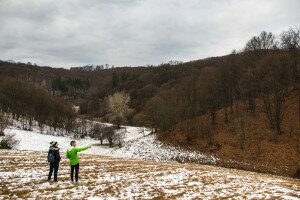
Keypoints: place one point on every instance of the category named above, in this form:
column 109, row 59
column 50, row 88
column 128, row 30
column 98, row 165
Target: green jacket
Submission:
column 72, row 154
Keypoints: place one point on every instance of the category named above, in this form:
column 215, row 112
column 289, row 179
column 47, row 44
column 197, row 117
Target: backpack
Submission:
column 51, row 158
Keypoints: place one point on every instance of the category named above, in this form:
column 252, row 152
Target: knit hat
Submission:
column 53, row 143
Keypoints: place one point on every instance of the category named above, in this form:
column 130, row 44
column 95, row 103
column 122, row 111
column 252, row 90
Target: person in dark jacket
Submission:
column 54, row 162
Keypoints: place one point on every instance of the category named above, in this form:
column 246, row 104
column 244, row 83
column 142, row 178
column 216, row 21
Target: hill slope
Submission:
column 262, row 151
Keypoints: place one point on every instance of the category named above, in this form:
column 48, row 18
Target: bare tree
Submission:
column 263, row 41
column 275, row 75
column 119, row 137
column 242, row 130
column 3, row 124
column 249, row 87
column 98, row 132
column 162, row 111
column 290, row 39
column 83, row 128
column 117, row 108
column 109, row 133
column 210, row 91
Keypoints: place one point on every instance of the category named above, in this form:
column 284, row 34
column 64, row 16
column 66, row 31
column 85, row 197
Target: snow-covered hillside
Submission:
column 139, row 143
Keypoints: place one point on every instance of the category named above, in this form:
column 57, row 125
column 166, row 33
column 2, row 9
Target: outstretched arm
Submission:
column 78, row 149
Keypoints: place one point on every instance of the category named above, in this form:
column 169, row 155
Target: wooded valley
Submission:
column 243, row 106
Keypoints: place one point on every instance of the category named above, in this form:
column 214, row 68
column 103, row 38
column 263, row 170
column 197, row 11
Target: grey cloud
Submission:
column 134, row 32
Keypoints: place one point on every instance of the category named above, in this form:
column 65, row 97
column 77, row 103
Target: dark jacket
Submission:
column 55, row 152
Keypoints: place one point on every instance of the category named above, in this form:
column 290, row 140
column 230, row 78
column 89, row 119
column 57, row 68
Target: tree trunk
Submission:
column 226, row 115
column 268, row 110
column 213, row 115
column 242, row 133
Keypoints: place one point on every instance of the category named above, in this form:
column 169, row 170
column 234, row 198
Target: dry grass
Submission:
column 106, row 177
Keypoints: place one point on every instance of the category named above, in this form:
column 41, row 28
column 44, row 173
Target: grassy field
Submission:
column 23, row 174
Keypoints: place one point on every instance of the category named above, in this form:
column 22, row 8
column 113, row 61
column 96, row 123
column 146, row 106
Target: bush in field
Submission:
column 113, row 136
column 119, row 137
column 9, row 142
column 109, row 132
column 98, row 132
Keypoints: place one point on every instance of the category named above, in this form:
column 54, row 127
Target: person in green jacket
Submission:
column 73, row 157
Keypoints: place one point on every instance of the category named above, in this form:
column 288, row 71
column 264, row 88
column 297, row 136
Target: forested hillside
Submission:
column 236, row 105
column 31, row 104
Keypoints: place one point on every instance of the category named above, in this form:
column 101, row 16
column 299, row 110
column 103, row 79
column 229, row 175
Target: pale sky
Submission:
column 66, row 33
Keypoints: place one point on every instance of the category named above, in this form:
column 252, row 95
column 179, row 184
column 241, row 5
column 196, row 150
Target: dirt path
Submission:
column 23, row 175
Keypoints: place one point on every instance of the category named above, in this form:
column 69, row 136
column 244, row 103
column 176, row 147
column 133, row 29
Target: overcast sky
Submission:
column 66, row 33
